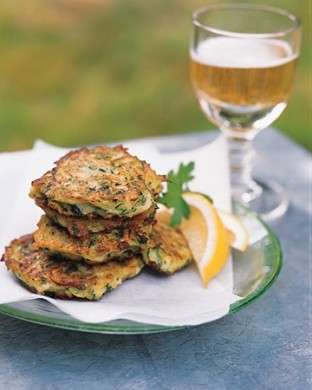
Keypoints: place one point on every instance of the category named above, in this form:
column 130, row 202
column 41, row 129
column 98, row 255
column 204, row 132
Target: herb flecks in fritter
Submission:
column 100, row 181
column 167, row 250
column 49, row 275
column 83, row 227
column 94, row 249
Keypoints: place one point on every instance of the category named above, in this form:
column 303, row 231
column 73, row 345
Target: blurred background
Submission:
column 93, row 71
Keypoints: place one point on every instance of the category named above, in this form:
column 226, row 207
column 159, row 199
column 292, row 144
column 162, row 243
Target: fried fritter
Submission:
column 100, row 181
column 48, row 275
column 167, row 250
column 82, row 227
column 96, row 248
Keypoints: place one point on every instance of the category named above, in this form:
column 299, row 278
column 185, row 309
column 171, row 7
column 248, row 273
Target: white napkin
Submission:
column 176, row 300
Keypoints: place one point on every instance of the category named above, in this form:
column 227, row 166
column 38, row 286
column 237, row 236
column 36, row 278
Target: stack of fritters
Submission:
column 100, row 204
column 99, row 226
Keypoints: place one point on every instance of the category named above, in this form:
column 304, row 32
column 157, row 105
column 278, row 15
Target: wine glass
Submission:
column 243, row 60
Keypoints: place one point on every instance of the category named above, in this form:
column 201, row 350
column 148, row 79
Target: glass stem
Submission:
column 241, row 157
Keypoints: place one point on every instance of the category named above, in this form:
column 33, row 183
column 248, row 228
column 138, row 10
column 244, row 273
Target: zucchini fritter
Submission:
column 84, row 226
column 167, row 250
column 48, row 275
column 100, row 181
column 96, row 248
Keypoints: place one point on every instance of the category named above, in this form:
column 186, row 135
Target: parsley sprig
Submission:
column 177, row 184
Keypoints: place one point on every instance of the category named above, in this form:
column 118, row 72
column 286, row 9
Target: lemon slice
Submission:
column 239, row 235
column 207, row 237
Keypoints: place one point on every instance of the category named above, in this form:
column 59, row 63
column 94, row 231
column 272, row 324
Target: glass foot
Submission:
column 266, row 198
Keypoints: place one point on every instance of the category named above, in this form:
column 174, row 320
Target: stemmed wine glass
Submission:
column 243, row 60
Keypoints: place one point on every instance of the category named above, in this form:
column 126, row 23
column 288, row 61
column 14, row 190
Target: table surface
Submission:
column 267, row 345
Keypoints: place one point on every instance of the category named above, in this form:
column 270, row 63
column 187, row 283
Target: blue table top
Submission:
column 265, row 346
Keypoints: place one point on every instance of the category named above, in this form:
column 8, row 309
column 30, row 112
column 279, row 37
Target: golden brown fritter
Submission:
column 96, row 248
column 167, row 250
column 101, row 181
column 48, row 275
column 82, row 227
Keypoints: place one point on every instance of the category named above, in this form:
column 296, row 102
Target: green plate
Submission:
column 254, row 272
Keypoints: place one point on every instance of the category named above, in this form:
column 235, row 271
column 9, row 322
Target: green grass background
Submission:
column 89, row 71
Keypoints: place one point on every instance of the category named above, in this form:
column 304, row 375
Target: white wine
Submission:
column 243, row 60
column 242, row 83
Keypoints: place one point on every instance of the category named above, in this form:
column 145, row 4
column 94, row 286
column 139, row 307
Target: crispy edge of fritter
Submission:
column 61, row 278
column 95, row 249
column 141, row 185
column 167, row 250
column 83, row 227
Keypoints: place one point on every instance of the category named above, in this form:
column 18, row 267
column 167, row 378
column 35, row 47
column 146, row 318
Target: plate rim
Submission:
column 142, row 328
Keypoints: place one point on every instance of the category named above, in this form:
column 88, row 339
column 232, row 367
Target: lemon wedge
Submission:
column 207, row 236
column 237, row 231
